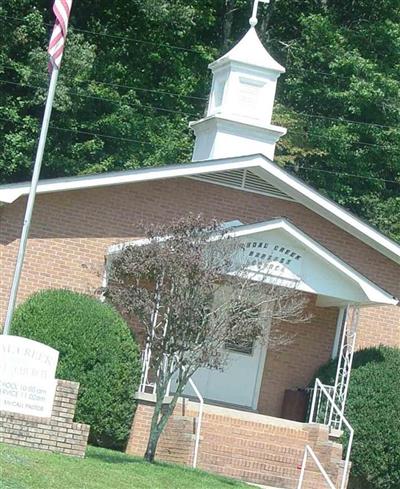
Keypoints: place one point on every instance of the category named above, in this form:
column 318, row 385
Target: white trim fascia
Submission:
column 11, row 192
column 259, row 376
column 275, row 175
column 234, row 121
column 371, row 290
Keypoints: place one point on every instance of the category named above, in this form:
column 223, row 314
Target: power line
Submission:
column 94, row 97
column 303, row 133
column 305, row 114
column 76, row 131
column 116, row 85
column 332, row 138
column 347, row 121
column 112, row 36
column 354, row 175
column 100, row 135
column 181, row 48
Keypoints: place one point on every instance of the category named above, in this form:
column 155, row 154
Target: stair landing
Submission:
column 262, row 449
column 240, row 444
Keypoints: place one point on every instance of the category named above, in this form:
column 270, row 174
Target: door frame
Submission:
column 259, row 376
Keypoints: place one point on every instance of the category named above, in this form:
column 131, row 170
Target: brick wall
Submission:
column 72, row 230
column 58, row 433
column 239, row 444
column 379, row 325
column 176, row 443
column 294, row 365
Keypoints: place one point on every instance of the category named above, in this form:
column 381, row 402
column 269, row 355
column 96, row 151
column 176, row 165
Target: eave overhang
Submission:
column 266, row 169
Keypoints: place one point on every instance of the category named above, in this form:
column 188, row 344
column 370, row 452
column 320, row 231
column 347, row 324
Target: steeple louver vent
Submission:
column 244, row 180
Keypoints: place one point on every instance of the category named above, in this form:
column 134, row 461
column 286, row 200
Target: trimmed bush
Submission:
column 96, row 349
column 373, row 409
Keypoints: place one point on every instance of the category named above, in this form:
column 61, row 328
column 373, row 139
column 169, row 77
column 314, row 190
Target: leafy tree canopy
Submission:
column 135, row 73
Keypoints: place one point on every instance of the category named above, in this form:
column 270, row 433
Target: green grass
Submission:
column 22, row 468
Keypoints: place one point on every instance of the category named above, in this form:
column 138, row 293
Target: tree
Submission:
column 134, row 75
column 193, row 289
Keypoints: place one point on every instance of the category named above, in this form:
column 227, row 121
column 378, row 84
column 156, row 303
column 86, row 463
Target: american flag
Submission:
column 61, row 9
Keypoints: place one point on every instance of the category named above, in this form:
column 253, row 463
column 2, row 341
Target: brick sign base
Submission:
column 58, row 433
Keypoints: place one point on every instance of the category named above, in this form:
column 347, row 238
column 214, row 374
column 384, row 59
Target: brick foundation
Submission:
column 176, row 443
column 58, row 433
column 238, row 444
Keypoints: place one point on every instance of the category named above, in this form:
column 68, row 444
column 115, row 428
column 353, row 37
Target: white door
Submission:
column 239, row 382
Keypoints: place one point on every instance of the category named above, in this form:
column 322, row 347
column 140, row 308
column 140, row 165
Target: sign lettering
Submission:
column 27, row 376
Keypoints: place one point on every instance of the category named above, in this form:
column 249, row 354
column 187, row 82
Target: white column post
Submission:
column 345, row 361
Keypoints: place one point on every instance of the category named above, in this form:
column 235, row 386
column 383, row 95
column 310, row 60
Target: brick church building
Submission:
column 334, row 257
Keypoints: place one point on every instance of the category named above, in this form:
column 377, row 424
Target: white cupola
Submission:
column 238, row 120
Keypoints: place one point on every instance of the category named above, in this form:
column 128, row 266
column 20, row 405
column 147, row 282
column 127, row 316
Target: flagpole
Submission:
column 31, row 200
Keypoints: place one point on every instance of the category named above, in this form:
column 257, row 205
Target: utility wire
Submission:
column 116, row 85
column 304, row 114
column 101, row 136
column 94, row 97
column 292, row 131
column 353, row 175
column 180, row 48
column 76, row 131
column 112, row 36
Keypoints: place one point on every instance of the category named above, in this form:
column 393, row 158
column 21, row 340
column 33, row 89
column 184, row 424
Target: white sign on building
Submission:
column 27, row 376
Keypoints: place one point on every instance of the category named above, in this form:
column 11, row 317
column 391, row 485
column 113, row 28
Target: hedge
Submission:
column 96, row 349
column 373, row 409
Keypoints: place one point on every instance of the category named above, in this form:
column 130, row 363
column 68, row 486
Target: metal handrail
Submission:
column 200, row 418
column 309, row 450
column 318, row 384
column 323, row 411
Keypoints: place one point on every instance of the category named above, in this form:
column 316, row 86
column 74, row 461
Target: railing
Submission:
column 199, row 420
column 315, row 417
column 308, row 450
column 323, row 414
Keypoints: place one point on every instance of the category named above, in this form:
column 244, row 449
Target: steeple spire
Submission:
column 239, row 113
column 253, row 19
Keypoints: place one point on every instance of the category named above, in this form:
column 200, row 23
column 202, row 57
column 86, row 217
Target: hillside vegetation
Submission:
column 135, row 72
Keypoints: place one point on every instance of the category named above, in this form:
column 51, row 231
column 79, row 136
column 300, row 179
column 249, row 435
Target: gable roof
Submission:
column 373, row 292
column 265, row 169
column 349, row 286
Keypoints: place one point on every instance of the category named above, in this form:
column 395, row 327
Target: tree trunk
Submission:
column 152, row 445
column 155, row 432
column 265, row 21
column 160, row 419
column 228, row 21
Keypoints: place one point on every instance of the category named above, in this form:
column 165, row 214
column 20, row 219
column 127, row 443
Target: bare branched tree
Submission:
column 191, row 288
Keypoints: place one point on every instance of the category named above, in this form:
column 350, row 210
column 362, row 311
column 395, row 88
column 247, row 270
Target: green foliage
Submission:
column 342, row 86
column 138, row 72
column 373, row 408
column 100, row 469
column 96, row 349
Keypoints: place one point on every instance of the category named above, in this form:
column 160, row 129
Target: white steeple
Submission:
column 238, row 120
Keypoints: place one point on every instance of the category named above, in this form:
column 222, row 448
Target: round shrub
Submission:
column 373, row 408
column 96, row 349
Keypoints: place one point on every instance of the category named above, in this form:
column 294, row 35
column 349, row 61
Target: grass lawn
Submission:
column 22, row 468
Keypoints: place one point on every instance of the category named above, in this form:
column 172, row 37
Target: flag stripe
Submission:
column 61, row 9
